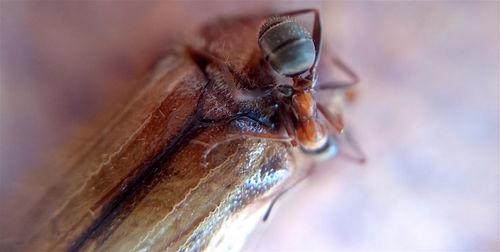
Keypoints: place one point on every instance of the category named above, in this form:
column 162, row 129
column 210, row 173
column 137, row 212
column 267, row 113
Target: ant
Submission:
column 291, row 52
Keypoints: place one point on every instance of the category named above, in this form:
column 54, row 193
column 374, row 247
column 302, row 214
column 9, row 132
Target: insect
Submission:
column 290, row 50
column 204, row 144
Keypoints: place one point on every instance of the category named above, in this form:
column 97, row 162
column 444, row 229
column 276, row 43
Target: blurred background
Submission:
column 426, row 113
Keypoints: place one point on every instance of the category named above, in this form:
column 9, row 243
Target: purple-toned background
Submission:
column 427, row 112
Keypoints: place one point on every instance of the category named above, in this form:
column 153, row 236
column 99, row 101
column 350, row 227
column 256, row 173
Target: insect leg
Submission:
column 354, row 79
column 249, row 116
column 271, row 136
column 268, row 211
column 287, row 124
column 334, row 120
column 266, row 136
column 271, row 205
column 360, row 156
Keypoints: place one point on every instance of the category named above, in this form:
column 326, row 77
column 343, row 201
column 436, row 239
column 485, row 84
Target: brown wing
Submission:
column 186, row 205
column 113, row 160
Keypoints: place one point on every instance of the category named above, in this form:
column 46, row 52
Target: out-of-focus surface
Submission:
column 427, row 113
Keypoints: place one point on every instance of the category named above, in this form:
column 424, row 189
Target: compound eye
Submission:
column 287, row 46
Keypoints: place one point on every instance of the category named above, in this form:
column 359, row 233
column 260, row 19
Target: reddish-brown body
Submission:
column 311, row 134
